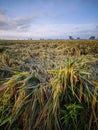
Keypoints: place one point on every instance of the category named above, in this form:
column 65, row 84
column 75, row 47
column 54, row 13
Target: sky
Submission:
column 48, row 19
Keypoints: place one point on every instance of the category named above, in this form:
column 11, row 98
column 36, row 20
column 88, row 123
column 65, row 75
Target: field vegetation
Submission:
column 49, row 85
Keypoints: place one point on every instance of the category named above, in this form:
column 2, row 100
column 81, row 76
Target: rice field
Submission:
column 49, row 85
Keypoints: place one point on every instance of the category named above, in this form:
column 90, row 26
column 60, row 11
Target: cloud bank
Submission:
column 26, row 27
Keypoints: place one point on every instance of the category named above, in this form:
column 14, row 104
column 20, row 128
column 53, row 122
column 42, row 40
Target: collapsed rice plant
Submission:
column 68, row 101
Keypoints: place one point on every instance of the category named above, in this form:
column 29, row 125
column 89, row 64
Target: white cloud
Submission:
column 23, row 28
column 3, row 17
column 17, row 23
column 64, row 30
column 52, row 31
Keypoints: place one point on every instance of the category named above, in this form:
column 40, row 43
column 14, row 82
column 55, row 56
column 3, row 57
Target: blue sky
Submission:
column 22, row 19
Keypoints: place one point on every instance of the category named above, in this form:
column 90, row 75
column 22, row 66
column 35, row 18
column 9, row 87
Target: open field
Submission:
column 22, row 55
column 49, row 85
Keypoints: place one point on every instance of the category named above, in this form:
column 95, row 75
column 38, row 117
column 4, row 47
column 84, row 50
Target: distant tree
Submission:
column 78, row 38
column 41, row 38
column 29, row 38
column 71, row 38
column 92, row 38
